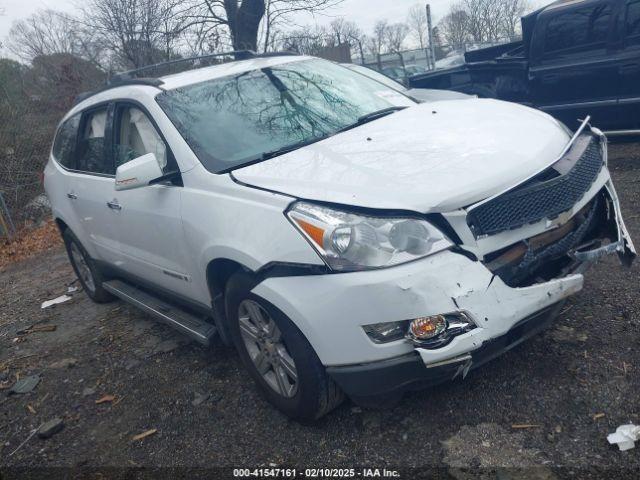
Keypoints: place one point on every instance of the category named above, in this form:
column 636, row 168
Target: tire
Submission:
column 314, row 394
column 84, row 266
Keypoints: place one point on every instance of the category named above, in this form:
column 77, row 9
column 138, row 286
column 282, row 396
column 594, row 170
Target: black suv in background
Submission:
column 577, row 58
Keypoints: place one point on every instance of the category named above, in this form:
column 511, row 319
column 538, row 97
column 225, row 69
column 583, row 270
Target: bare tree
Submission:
column 46, row 32
column 243, row 18
column 474, row 21
column 395, row 36
column 308, row 40
column 454, row 28
column 376, row 42
column 343, row 31
column 138, row 32
column 203, row 39
column 417, row 23
column 491, row 17
column 483, row 21
column 512, row 12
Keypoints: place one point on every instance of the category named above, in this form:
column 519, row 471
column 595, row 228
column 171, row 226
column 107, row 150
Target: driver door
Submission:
column 150, row 234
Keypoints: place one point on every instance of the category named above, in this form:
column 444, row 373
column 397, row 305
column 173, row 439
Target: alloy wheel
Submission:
column 82, row 266
column 265, row 346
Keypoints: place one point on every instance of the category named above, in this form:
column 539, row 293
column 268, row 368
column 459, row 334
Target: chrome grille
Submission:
column 533, row 202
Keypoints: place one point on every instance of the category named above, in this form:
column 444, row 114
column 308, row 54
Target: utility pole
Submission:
column 432, row 50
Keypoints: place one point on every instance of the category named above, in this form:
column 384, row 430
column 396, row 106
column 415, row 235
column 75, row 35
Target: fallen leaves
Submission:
column 105, row 399
column 29, row 241
column 37, row 328
column 143, row 435
column 523, row 426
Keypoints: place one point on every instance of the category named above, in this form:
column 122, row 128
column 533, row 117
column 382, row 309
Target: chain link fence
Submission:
column 401, row 65
column 27, row 126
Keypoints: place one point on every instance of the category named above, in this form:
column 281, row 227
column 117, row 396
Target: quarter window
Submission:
column 65, row 143
column 577, row 29
column 91, row 147
column 137, row 136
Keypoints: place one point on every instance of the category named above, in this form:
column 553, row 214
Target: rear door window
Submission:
column 65, row 142
column 581, row 29
column 92, row 153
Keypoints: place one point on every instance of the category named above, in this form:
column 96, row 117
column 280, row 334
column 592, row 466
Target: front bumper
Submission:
column 331, row 310
column 406, row 373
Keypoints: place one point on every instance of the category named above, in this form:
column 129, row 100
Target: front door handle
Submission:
column 72, row 196
column 114, row 205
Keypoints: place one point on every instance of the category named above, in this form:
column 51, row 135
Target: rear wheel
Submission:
column 88, row 273
column 278, row 357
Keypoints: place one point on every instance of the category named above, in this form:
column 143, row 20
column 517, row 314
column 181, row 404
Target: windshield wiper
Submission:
column 377, row 114
column 370, row 117
column 291, row 148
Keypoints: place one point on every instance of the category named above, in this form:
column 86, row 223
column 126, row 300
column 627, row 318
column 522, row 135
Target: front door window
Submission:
column 137, row 136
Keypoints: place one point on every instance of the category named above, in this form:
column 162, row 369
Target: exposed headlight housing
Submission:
column 387, row 332
column 350, row 241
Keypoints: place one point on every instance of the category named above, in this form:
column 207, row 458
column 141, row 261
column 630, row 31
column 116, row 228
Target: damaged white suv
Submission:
column 344, row 238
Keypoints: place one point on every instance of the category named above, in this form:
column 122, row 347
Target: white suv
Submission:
column 344, row 238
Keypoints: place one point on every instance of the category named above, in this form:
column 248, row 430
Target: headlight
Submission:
column 349, row 241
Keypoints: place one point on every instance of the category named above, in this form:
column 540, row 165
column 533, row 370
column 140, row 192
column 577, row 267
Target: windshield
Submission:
column 233, row 121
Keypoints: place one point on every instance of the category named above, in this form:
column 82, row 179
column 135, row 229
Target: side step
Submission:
column 185, row 322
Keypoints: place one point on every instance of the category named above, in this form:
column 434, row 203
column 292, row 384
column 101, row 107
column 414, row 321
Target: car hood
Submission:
column 434, row 157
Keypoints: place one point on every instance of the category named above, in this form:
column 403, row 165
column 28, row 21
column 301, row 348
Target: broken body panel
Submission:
column 455, row 281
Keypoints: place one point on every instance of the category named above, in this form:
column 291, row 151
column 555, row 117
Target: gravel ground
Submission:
column 573, row 385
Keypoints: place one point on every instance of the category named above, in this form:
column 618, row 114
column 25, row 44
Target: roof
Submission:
column 198, row 75
column 249, row 61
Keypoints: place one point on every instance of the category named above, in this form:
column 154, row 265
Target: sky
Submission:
column 364, row 12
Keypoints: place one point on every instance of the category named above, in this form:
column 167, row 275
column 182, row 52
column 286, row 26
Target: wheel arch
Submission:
column 62, row 226
column 218, row 273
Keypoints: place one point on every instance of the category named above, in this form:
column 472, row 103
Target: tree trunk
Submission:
column 244, row 21
column 267, row 27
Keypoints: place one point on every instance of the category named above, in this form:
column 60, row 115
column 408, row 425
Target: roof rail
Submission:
column 196, row 62
column 139, row 76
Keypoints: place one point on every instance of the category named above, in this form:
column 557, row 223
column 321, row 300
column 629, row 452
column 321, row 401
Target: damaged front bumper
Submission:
column 401, row 374
column 332, row 310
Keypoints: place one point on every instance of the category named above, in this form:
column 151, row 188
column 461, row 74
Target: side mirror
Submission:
column 138, row 172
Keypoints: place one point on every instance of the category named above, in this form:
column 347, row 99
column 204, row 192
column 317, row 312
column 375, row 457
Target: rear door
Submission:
column 629, row 66
column 91, row 183
column 149, row 223
column 573, row 69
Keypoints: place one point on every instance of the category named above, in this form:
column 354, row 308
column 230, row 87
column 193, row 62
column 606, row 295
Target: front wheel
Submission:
column 278, row 357
column 88, row 273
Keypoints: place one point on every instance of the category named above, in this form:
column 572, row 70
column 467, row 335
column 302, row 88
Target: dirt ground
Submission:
column 570, row 386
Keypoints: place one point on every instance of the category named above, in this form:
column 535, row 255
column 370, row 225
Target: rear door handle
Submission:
column 72, row 196
column 114, row 205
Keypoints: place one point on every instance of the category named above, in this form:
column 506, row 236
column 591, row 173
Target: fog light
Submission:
column 386, row 332
column 428, row 327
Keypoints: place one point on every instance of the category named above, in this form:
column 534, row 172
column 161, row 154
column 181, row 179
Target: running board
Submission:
column 185, row 322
